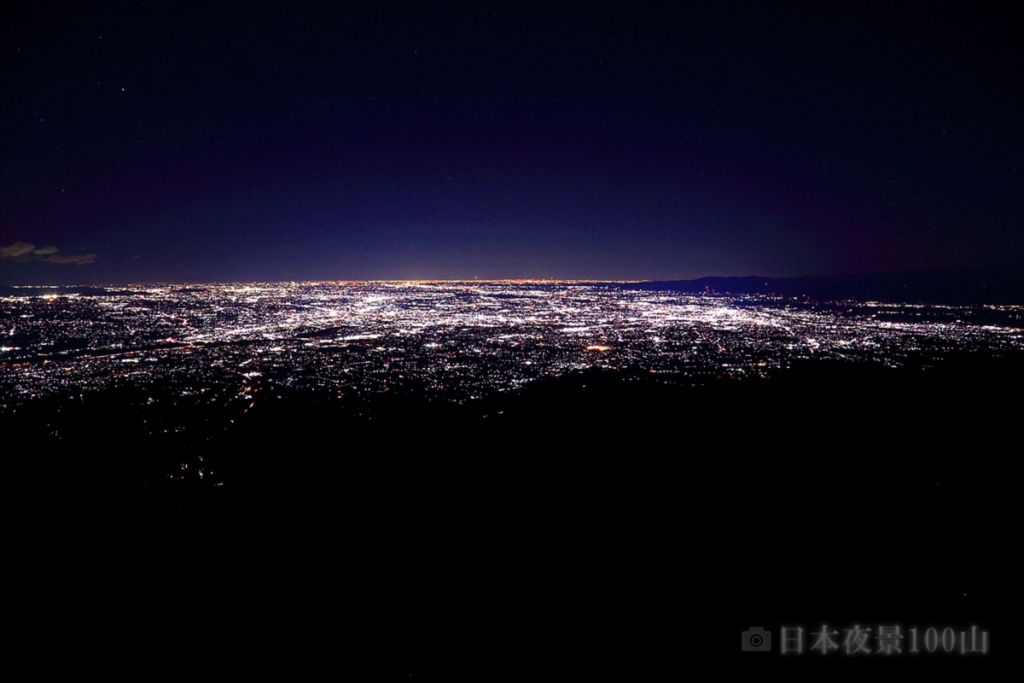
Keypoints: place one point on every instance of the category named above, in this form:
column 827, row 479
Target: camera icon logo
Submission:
column 756, row 639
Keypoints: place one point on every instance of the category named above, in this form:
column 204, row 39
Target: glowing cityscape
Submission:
column 452, row 341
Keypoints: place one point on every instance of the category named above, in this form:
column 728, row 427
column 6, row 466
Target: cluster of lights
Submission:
column 447, row 339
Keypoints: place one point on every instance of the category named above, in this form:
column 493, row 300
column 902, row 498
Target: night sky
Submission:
column 173, row 142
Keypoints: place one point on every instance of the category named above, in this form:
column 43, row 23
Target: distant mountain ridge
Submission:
column 949, row 287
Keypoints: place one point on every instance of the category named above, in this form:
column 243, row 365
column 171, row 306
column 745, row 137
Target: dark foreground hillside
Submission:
column 596, row 526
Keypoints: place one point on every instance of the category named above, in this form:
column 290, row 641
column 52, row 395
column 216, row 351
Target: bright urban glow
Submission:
column 448, row 340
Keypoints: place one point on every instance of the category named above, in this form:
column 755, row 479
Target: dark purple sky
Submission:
column 168, row 141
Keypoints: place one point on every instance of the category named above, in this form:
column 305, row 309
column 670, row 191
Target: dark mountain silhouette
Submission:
column 579, row 511
column 950, row 287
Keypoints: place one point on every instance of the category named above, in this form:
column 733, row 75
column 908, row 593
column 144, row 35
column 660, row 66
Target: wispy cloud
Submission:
column 26, row 251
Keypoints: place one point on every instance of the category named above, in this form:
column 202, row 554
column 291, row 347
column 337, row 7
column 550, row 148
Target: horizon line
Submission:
column 519, row 280
column 524, row 280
